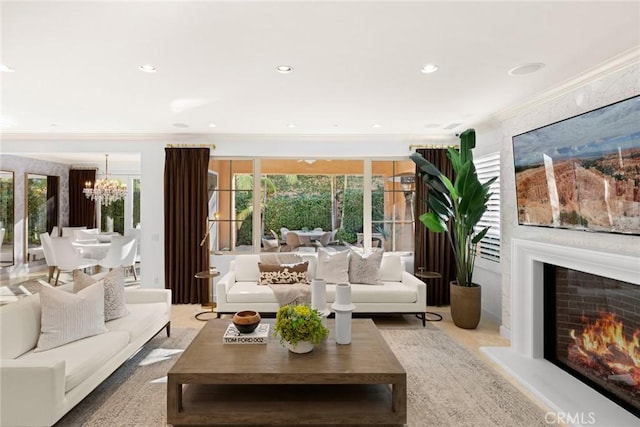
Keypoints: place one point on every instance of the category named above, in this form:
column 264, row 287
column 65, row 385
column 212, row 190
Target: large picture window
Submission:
column 312, row 198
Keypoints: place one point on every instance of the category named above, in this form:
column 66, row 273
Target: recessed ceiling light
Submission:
column 376, row 125
column 147, row 68
column 180, row 125
column 284, row 69
column 291, row 125
column 429, row 68
column 523, row 69
column 53, row 125
column 6, row 69
column 212, row 125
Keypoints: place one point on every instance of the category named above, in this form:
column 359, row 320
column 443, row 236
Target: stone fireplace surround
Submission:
column 560, row 391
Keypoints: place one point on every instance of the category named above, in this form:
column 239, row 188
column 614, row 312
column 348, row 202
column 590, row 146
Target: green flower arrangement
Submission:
column 296, row 323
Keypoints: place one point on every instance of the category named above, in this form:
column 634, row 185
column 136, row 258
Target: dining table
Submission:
column 306, row 237
column 93, row 249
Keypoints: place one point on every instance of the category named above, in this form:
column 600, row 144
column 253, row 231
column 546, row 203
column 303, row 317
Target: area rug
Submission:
column 447, row 385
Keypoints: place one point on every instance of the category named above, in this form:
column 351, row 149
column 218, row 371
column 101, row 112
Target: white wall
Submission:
column 598, row 92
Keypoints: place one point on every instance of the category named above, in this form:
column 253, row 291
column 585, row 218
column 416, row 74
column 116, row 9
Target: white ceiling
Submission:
column 356, row 63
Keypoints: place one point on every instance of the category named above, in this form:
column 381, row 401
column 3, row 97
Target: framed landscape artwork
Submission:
column 582, row 173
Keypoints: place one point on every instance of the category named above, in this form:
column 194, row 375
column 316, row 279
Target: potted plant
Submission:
column 299, row 327
column 462, row 202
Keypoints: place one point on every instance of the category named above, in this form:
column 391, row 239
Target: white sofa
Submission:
column 38, row 388
column 400, row 293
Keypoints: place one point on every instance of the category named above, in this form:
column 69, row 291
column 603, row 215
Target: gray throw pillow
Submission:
column 365, row 270
column 114, row 297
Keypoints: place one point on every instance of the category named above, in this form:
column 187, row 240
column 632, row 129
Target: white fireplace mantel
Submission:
column 563, row 393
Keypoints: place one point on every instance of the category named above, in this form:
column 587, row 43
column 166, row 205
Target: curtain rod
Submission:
column 211, row 146
column 414, row 146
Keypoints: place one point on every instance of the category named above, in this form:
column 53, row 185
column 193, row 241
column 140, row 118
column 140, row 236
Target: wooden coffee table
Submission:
column 256, row 384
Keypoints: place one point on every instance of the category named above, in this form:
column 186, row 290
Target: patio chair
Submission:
column 292, row 242
column 284, row 231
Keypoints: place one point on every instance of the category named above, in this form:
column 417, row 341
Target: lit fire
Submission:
column 603, row 347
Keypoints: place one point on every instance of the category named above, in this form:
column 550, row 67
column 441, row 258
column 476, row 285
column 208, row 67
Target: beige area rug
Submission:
column 447, row 385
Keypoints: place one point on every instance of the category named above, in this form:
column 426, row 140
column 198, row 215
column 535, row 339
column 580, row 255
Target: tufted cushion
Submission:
column 365, row 269
column 284, row 274
column 68, row 317
column 114, row 299
column 333, row 267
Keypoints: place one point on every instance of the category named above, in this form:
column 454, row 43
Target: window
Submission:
column 488, row 167
column 312, row 194
column 392, row 204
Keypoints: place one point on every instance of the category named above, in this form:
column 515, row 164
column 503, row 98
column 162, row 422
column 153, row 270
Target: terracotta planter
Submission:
column 466, row 305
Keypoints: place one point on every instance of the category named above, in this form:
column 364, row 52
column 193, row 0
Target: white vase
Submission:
column 343, row 308
column 300, row 347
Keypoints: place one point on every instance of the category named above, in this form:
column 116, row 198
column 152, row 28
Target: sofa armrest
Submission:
column 142, row 296
column 223, row 286
column 31, row 391
column 418, row 285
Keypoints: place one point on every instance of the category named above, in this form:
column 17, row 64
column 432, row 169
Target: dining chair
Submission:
column 122, row 253
column 49, row 257
column 324, row 240
column 67, row 258
column 292, row 242
column 55, row 231
column 284, row 231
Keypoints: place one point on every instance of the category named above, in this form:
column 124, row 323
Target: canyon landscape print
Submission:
column 582, row 173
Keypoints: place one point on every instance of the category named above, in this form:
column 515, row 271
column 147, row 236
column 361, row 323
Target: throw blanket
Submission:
column 297, row 293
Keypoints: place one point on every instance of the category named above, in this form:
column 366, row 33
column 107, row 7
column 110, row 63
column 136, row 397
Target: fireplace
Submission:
column 592, row 331
column 568, row 398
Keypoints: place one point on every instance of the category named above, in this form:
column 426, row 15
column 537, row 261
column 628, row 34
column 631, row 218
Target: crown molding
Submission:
column 617, row 63
column 193, row 138
column 161, row 137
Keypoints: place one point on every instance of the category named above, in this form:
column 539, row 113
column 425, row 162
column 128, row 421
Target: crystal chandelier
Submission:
column 105, row 191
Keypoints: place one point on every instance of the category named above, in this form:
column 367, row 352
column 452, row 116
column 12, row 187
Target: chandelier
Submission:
column 105, row 191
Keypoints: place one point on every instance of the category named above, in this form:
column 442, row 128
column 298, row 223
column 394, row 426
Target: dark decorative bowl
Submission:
column 246, row 321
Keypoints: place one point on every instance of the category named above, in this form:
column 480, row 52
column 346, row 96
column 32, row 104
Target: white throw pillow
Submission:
column 115, row 305
column 333, row 267
column 68, row 317
column 363, row 269
column 391, row 268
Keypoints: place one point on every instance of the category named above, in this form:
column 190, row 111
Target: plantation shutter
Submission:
column 488, row 167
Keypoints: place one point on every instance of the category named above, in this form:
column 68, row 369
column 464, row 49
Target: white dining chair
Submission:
column 122, row 253
column 49, row 256
column 67, row 258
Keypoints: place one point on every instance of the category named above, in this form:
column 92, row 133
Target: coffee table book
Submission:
column 259, row 336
